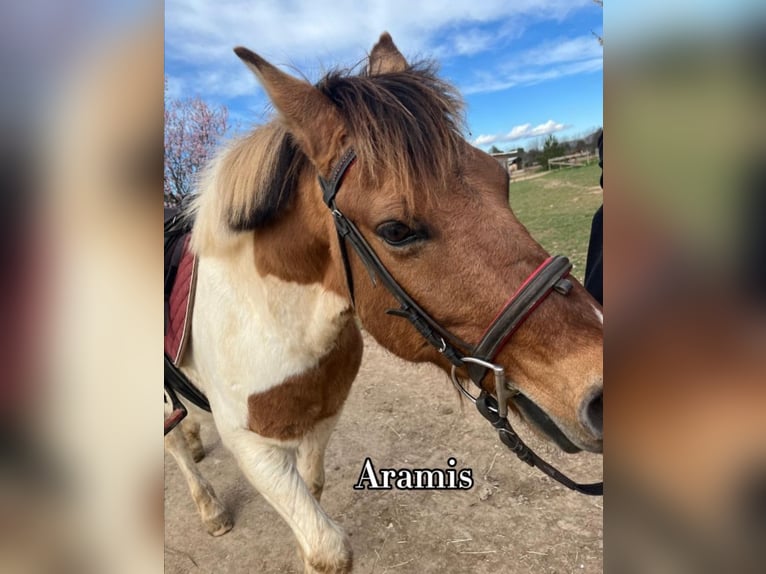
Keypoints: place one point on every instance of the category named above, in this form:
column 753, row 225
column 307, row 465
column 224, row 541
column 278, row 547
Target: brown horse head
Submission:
column 434, row 209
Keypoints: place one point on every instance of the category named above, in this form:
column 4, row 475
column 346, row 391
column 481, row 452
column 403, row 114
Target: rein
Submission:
column 478, row 361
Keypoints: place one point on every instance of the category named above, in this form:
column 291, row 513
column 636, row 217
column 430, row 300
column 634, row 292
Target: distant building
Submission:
column 508, row 159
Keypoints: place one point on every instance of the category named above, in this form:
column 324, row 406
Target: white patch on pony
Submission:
column 599, row 315
column 271, row 469
column 251, row 332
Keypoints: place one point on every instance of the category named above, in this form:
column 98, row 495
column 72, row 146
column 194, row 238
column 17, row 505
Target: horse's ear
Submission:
column 307, row 113
column 386, row 57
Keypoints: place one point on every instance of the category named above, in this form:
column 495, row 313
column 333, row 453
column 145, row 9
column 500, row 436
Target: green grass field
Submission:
column 557, row 208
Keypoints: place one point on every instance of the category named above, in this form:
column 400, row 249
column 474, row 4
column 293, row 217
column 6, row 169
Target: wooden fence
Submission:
column 572, row 160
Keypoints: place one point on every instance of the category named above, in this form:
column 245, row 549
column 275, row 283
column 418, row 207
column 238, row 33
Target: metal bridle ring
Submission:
column 459, row 386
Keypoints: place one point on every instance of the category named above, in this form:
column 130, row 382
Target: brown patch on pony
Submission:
column 299, row 263
column 292, row 250
column 290, row 410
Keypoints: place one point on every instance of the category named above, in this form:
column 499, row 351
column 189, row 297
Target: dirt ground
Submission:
column 513, row 520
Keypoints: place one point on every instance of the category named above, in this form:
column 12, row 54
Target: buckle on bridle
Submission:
column 502, row 392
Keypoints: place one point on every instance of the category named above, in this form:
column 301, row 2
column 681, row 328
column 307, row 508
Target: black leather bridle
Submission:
column 477, row 360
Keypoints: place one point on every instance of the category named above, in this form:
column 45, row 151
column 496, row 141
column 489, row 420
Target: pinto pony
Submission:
column 274, row 342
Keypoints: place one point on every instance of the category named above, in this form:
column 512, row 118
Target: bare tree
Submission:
column 192, row 129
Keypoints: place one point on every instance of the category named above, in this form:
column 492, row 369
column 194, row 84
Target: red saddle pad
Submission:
column 181, row 305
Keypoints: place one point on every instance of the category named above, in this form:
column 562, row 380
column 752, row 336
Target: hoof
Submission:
column 336, row 567
column 220, row 524
column 341, row 563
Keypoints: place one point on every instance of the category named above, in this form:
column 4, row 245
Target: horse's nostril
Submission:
column 592, row 412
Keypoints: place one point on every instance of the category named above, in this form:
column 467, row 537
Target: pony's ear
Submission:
column 385, row 57
column 308, row 114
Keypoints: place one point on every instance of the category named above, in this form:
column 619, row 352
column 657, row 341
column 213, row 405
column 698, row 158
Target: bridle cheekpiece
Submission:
column 477, row 360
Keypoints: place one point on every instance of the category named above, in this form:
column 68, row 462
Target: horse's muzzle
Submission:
column 592, row 412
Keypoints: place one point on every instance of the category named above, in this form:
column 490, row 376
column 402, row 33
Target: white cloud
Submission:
column 523, row 131
column 566, row 50
column 549, row 61
column 472, row 42
column 531, row 77
column 206, row 29
column 200, row 34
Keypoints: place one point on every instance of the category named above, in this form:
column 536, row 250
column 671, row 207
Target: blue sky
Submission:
column 526, row 68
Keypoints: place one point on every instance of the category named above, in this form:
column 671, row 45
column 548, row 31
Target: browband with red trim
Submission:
column 550, row 275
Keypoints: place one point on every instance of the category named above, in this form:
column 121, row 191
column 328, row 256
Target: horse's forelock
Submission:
column 405, row 127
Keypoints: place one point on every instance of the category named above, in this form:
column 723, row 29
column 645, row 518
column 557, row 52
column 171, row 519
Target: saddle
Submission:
column 180, row 269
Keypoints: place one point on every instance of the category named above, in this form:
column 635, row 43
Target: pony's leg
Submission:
column 214, row 516
column 190, row 428
column 310, row 458
column 271, row 467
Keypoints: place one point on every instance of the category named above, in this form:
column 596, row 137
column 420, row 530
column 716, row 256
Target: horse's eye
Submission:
column 396, row 233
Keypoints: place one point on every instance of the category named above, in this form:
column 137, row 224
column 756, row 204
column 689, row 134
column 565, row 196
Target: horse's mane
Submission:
column 406, row 127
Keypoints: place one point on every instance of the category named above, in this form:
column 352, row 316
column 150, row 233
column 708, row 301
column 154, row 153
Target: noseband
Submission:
column 477, row 361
